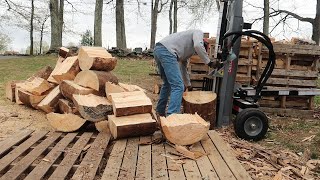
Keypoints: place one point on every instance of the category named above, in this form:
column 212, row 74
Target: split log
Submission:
column 36, row 86
column 93, row 108
column 130, row 126
column 65, row 122
column 96, row 58
column 43, row 73
column 102, row 126
column 201, row 102
column 175, row 127
column 129, row 103
column 29, row 99
column 50, row 102
column 64, row 52
column 68, row 88
column 10, row 90
column 95, row 80
column 16, row 94
column 67, row 70
column 113, row 88
column 66, row 107
column 157, row 88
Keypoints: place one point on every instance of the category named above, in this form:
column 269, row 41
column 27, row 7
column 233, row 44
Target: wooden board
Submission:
column 129, row 103
column 291, row 82
column 8, row 143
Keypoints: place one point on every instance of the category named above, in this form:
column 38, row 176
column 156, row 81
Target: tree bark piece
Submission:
column 64, row 52
column 68, row 88
column 93, row 108
column 113, row 88
column 50, row 102
column 67, row 107
column 130, row 126
column 66, row 70
column 10, row 90
column 201, row 102
column 29, row 99
column 96, row 58
column 175, row 125
column 95, row 80
column 65, row 122
column 102, row 126
column 129, row 103
column 43, row 73
column 36, row 86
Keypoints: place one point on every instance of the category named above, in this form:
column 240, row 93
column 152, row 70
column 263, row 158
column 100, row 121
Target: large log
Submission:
column 66, row 107
column 201, row 102
column 95, row 80
column 36, row 86
column 65, row 122
column 96, row 58
column 10, row 90
column 130, row 126
column 43, row 73
column 129, row 103
column 29, row 99
column 68, row 88
column 93, row 108
column 184, row 129
column 66, row 70
column 50, row 102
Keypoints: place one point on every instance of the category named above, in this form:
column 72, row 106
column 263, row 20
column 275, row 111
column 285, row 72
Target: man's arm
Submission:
column 185, row 73
column 199, row 47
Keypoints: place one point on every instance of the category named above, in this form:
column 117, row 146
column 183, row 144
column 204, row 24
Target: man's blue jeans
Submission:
column 173, row 86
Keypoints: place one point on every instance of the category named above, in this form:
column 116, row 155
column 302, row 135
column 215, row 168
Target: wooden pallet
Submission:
column 50, row 155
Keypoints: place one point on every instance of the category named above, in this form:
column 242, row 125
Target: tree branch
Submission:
column 277, row 12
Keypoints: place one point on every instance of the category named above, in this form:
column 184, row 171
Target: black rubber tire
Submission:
column 243, row 116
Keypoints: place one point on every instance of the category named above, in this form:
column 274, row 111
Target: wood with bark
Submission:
column 203, row 103
column 50, row 102
column 96, row 58
column 65, row 122
column 16, row 94
column 67, row 70
column 112, row 88
column 43, row 73
column 29, row 99
column 64, row 52
column 93, row 108
column 102, row 126
column 10, row 90
column 36, row 86
column 130, row 126
column 66, row 107
column 129, row 103
column 95, row 80
column 68, row 88
column 175, row 127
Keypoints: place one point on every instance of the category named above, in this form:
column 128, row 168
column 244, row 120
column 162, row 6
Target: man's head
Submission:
column 206, row 44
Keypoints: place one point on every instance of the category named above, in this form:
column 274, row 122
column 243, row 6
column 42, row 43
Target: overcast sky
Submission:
column 138, row 24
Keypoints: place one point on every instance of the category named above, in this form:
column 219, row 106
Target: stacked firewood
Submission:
column 83, row 89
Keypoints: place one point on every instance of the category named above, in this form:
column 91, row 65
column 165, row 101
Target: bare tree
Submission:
column 98, row 23
column 156, row 8
column 31, row 27
column 170, row 17
column 266, row 11
column 42, row 28
column 120, row 25
column 175, row 16
column 56, row 14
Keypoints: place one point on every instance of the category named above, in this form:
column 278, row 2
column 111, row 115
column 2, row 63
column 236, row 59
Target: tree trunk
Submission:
column 175, row 16
column 120, row 25
column 170, row 17
column 60, row 15
column 54, row 24
column 154, row 18
column 98, row 23
column 266, row 10
column 316, row 25
column 31, row 27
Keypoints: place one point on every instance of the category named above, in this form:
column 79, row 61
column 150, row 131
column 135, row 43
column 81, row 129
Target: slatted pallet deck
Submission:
column 52, row 155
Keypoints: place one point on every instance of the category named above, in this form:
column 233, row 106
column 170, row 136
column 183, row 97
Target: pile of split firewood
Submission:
column 263, row 163
column 83, row 89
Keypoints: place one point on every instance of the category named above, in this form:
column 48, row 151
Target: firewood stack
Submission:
column 83, row 89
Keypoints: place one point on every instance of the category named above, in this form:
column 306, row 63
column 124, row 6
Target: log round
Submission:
column 184, row 129
column 202, row 103
column 95, row 80
column 96, row 58
column 68, row 88
column 65, row 122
